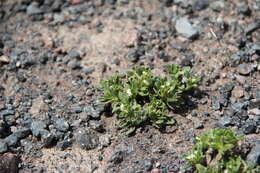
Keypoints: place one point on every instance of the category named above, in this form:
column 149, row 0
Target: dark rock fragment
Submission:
column 38, row 128
column 225, row 121
column 86, row 140
column 252, row 28
column 244, row 9
column 74, row 54
column 198, row 124
column 200, row 5
column 117, row 157
column 11, row 140
column 148, row 164
column 8, row 163
column 61, row 125
column 249, row 127
column 184, row 27
column 3, row 147
column 33, row 9
column 245, row 69
column 254, row 155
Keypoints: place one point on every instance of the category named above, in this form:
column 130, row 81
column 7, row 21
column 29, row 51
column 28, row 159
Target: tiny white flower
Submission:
column 128, row 91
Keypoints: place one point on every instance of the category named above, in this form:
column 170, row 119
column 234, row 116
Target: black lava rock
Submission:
column 11, row 140
column 38, row 128
column 61, row 125
column 22, row 133
column 117, row 157
column 245, row 69
column 7, row 112
column 96, row 125
column 254, row 155
column 86, row 140
column 148, row 164
column 48, row 139
column 200, row 5
column 244, row 9
column 3, row 147
column 225, row 121
column 105, row 140
column 74, row 54
column 198, row 124
column 249, row 127
column 74, row 65
column 252, row 28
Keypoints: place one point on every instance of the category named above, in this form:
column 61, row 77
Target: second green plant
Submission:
column 139, row 96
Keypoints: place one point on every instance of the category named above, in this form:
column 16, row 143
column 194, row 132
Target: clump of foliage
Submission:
column 139, row 97
column 216, row 151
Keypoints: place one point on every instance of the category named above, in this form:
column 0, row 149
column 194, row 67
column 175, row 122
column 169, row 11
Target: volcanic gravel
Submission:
column 53, row 54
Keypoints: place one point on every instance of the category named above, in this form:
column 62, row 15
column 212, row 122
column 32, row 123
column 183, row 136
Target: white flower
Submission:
column 128, row 91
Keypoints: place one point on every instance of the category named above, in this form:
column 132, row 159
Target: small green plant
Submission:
column 140, row 97
column 215, row 151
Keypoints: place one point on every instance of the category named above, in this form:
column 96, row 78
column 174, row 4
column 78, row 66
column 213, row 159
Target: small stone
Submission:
column 96, row 125
column 184, row 27
column 245, row 69
column 194, row 113
column 37, row 128
column 74, row 54
column 4, row 59
column 74, row 65
column 3, row 129
column 215, row 104
column 86, row 140
column 75, row 2
column 3, row 147
column 200, row 5
column 56, row 5
column 7, row 112
column 99, row 2
column 8, row 163
column 131, row 38
column 254, row 155
column 252, row 28
column 93, row 167
column 148, row 164
column 117, row 157
column 61, row 125
column 92, row 112
column 241, row 79
column 22, row 133
column 256, row 48
column 88, row 70
column 104, row 140
column 238, row 92
column 198, row 124
column 11, row 140
column 217, row 5
column 249, row 127
column 254, row 111
column 134, row 54
column 2, row 104
column 244, row 9
column 225, row 121
column 64, row 144
column 257, row 94
column 33, row 9
column 21, row 77
column 111, row 2
column 48, row 139
column 76, row 108
column 254, row 103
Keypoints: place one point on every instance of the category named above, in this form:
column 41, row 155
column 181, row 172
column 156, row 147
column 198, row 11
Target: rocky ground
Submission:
column 53, row 54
